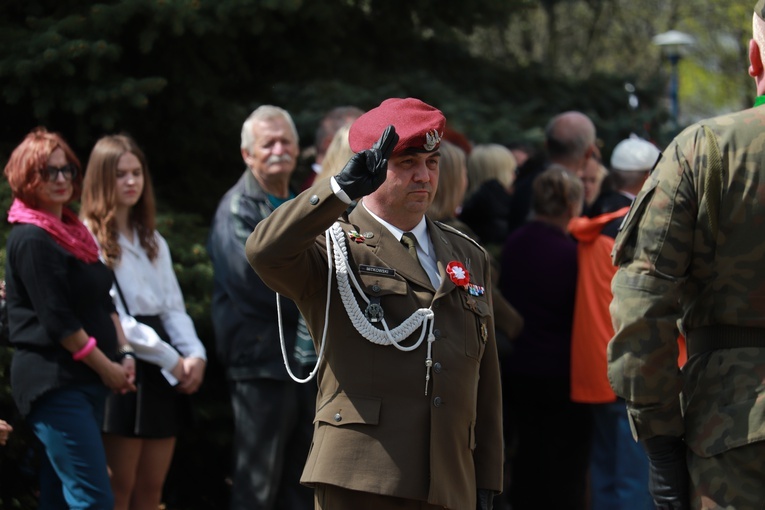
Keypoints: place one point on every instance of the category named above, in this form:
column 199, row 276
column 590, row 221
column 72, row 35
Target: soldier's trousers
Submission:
column 734, row 479
column 331, row 497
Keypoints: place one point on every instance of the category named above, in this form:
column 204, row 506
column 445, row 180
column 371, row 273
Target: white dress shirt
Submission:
column 425, row 250
column 151, row 288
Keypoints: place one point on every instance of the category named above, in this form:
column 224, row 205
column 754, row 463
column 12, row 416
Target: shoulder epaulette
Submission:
column 449, row 228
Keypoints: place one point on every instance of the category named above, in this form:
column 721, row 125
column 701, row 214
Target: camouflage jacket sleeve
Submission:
column 655, row 254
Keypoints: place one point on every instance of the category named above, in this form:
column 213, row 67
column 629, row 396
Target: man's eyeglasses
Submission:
column 50, row 173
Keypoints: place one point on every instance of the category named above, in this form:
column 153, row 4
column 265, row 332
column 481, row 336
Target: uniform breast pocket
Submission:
column 383, row 284
column 477, row 323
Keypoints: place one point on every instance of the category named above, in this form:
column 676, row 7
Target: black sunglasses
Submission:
column 50, row 173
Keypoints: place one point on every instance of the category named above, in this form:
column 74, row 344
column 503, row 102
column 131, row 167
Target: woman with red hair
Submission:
column 69, row 345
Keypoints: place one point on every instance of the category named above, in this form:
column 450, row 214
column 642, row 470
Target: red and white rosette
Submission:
column 458, row 274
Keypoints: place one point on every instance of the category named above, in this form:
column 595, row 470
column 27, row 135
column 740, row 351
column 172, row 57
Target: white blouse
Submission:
column 151, row 288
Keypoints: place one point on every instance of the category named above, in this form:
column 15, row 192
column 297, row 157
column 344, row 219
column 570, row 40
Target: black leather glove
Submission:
column 485, row 499
column 668, row 473
column 366, row 171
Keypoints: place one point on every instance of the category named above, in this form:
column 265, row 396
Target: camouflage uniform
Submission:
column 692, row 255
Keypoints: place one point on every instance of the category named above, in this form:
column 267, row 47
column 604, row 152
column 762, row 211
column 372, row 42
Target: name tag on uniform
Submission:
column 386, row 271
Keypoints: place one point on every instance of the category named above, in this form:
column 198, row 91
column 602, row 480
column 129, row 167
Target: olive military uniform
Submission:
column 692, row 253
column 377, row 430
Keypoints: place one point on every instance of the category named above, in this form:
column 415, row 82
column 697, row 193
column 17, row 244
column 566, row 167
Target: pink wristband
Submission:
column 85, row 350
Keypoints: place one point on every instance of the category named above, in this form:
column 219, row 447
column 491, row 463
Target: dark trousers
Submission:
column 273, row 426
column 551, row 438
column 331, row 497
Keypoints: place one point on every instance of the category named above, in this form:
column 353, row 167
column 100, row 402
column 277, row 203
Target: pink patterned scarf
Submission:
column 68, row 232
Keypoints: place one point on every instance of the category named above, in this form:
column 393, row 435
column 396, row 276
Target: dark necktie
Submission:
column 408, row 240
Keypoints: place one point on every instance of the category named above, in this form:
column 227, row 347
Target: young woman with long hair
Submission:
column 140, row 430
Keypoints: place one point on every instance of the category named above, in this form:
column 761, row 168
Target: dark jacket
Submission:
column 244, row 312
column 51, row 295
column 520, row 206
column 608, row 202
column 539, row 270
column 486, row 212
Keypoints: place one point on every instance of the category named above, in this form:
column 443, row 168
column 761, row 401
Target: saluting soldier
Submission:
column 409, row 402
column 692, row 250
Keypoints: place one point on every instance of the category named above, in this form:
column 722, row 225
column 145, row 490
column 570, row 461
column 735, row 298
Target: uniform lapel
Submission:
column 385, row 246
column 445, row 253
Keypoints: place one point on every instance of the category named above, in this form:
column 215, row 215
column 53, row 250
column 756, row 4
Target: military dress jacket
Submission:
column 376, row 429
column 692, row 251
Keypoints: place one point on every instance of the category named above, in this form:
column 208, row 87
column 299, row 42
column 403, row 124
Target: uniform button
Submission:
column 314, row 200
column 437, row 367
column 437, row 333
column 338, row 418
column 437, row 401
column 375, row 288
column 436, row 304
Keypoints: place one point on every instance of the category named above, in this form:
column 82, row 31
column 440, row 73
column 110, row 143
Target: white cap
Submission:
column 634, row 155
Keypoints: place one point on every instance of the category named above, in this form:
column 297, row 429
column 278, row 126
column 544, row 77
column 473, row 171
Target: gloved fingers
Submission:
column 385, row 144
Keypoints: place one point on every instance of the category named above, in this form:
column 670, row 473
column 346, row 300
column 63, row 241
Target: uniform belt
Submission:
column 712, row 338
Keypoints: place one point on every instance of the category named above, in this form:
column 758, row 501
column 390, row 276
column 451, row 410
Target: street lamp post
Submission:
column 673, row 43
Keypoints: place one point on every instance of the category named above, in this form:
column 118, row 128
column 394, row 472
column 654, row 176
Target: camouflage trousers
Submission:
column 732, row 480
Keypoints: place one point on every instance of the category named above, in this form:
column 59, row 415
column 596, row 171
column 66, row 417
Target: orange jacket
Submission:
column 592, row 328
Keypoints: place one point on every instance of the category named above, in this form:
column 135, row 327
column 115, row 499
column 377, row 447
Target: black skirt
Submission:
column 155, row 410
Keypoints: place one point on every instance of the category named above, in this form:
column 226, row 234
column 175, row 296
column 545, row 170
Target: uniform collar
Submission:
column 420, row 231
column 380, row 235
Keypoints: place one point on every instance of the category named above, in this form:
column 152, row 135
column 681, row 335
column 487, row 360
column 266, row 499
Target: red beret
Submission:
column 419, row 126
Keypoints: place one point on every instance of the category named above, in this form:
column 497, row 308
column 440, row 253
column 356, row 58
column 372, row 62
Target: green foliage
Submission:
column 202, row 453
column 181, row 75
column 186, row 234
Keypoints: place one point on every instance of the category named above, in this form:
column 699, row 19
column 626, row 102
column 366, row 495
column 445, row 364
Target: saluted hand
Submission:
column 366, row 170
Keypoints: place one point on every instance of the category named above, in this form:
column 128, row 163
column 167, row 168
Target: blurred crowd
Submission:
column 547, row 217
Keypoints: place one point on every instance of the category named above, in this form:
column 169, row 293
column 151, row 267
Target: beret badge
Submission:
column 432, row 139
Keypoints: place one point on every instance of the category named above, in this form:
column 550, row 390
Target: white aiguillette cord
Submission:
column 422, row 317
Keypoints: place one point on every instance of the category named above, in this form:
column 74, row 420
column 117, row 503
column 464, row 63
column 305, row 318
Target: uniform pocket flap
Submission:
column 631, row 220
column 343, row 409
column 732, row 426
column 383, row 284
column 723, row 406
column 477, row 306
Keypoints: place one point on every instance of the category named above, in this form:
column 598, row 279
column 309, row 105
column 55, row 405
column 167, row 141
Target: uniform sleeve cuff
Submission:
column 650, row 421
column 338, row 191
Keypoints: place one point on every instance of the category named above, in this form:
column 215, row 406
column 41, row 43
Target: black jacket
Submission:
column 244, row 312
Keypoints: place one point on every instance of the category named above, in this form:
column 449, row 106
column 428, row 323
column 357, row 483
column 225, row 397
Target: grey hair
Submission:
column 264, row 112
